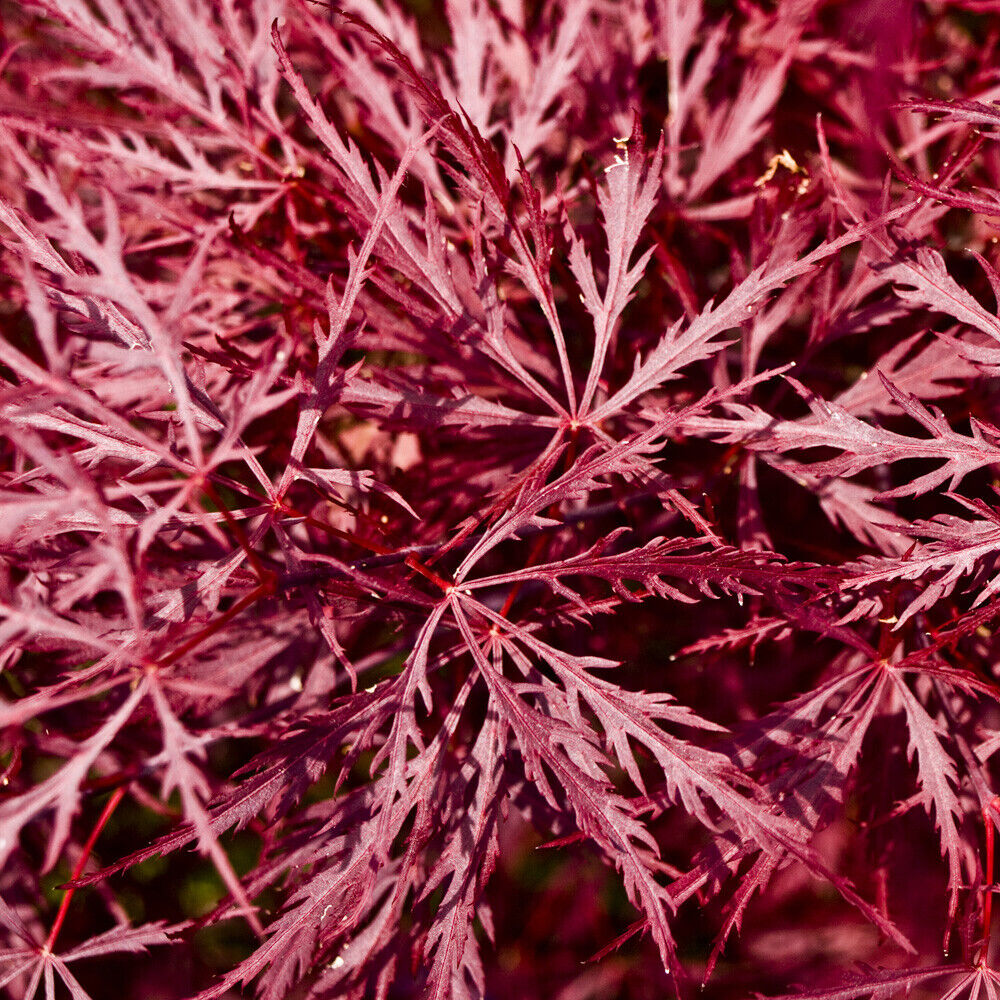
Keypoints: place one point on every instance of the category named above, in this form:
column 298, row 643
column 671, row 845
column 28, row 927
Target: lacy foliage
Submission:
column 425, row 442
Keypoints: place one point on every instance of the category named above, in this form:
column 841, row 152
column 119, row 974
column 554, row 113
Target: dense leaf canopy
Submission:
column 433, row 433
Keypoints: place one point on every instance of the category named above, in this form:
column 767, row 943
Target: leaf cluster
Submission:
column 567, row 426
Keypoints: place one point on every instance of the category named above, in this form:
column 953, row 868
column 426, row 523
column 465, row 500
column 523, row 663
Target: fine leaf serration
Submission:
column 499, row 498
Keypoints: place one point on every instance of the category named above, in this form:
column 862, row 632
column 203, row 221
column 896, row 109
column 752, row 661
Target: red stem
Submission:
column 212, row 627
column 987, row 894
column 112, row 804
column 347, row 536
column 988, row 888
column 237, row 529
column 414, row 563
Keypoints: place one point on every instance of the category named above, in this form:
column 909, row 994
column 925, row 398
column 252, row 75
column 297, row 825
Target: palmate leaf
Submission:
column 278, row 778
column 691, row 774
column 181, row 774
column 550, row 748
column 530, row 260
column 41, row 967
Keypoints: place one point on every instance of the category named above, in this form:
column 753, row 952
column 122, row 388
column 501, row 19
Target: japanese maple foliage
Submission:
column 498, row 498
